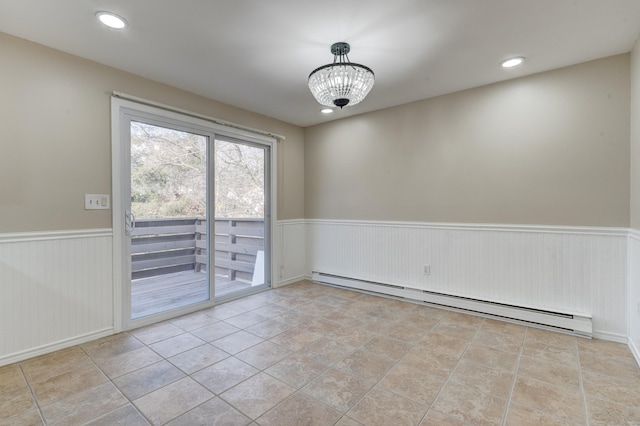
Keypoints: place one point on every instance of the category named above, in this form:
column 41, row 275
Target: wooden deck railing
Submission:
column 164, row 246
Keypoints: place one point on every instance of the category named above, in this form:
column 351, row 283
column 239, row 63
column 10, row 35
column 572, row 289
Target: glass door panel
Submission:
column 167, row 221
column 241, row 225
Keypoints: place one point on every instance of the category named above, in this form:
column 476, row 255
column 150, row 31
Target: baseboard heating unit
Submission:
column 571, row 323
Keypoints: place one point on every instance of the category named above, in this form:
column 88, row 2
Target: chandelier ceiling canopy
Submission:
column 342, row 83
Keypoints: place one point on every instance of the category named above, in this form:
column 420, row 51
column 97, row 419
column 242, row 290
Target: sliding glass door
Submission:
column 193, row 214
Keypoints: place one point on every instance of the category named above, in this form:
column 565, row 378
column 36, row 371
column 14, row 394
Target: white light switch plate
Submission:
column 97, row 202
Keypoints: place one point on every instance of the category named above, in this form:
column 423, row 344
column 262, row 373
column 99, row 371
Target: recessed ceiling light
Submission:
column 326, row 110
column 111, row 20
column 512, row 62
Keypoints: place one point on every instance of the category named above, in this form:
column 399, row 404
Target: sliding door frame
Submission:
column 211, row 127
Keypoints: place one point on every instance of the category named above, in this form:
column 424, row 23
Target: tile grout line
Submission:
column 110, row 380
column 33, row 395
column 384, row 375
column 216, row 395
column 326, row 367
column 413, row 345
column 515, row 378
column 186, row 375
column 446, row 382
column 230, row 403
column 582, row 392
column 400, row 360
column 148, row 346
column 260, row 370
column 332, row 366
column 219, row 395
column 360, row 378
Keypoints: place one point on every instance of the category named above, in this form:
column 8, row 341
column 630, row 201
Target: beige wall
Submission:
column 635, row 137
column 634, row 241
column 552, row 148
column 55, row 141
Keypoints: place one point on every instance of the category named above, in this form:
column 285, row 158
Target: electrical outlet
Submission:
column 426, row 270
column 96, row 202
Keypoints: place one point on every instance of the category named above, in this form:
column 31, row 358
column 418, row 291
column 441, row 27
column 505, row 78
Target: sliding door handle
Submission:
column 129, row 223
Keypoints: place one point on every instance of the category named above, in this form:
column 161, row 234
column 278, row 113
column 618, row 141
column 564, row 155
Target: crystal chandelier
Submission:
column 341, row 83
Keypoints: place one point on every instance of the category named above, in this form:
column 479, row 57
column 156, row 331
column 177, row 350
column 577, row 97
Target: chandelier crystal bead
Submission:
column 341, row 83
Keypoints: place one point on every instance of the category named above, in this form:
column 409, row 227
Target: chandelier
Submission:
column 341, row 83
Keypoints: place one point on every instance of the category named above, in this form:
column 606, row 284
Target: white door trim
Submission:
column 120, row 269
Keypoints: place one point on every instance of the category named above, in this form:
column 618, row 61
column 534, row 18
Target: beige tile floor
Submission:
column 308, row 354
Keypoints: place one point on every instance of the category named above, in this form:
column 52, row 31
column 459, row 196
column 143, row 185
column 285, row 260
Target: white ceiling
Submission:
column 257, row 54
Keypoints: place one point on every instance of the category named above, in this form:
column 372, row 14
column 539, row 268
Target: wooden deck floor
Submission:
column 165, row 292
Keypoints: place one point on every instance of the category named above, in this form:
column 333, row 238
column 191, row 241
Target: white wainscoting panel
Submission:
column 56, row 290
column 290, row 252
column 568, row 269
column 634, row 293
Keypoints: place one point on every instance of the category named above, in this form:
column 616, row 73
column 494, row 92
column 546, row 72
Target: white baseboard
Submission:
column 610, row 337
column 291, row 281
column 634, row 350
column 55, row 346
